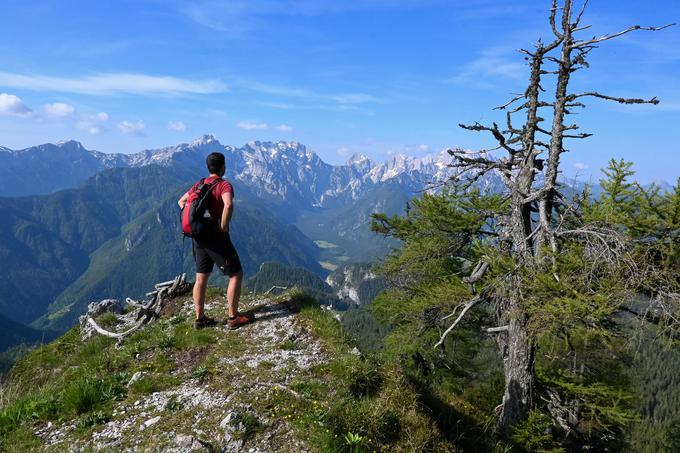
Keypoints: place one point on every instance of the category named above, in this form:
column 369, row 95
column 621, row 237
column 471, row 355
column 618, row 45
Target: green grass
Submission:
column 214, row 292
column 108, row 320
column 362, row 396
column 72, row 379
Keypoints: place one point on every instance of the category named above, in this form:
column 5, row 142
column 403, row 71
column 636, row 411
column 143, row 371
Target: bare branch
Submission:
column 576, row 23
column 578, row 44
column 107, row 333
column 474, row 301
column 497, row 329
column 510, row 102
column 495, row 131
column 595, row 94
column 273, row 288
column 477, row 273
column 553, row 24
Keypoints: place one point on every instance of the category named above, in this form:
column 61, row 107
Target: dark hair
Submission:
column 215, row 162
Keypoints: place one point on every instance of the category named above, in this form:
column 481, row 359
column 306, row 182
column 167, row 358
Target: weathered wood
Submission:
column 107, row 333
column 148, row 310
column 273, row 288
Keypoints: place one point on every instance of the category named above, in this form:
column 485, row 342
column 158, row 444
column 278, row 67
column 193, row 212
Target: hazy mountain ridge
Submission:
column 288, row 170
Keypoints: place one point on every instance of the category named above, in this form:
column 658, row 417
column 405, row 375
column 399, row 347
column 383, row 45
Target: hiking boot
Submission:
column 240, row 320
column 204, row 322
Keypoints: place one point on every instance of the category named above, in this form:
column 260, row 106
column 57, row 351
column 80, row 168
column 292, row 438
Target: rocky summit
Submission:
column 209, row 390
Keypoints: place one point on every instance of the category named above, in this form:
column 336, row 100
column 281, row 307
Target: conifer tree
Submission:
column 553, row 272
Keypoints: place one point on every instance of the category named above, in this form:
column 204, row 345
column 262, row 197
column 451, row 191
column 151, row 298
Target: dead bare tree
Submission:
column 145, row 312
column 533, row 225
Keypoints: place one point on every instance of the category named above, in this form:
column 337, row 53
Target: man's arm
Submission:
column 228, row 199
column 182, row 201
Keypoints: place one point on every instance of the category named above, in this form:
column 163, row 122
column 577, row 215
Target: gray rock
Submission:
column 96, row 309
column 152, row 421
column 136, row 377
column 184, row 441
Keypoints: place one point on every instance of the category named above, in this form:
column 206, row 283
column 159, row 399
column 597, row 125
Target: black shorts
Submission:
column 210, row 251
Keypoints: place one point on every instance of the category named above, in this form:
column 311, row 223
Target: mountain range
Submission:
column 285, row 169
column 81, row 225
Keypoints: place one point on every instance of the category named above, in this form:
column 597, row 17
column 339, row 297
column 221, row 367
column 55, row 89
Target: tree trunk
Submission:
column 518, row 360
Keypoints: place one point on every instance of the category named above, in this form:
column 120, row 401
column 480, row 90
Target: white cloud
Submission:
column 94, row 124
column 345, row 100
column 237, row 17
column 13, row 105
column 581, row 166
column 248, row 125
column 112, row 83
column 353, row 98
column 284, row 128
column 59, row 110
column 490, row 66
column 177, row 126
column 132, row 128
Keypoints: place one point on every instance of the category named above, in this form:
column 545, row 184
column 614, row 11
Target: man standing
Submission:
column 215, row 247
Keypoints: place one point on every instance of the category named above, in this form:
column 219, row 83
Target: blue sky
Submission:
column 374, row 76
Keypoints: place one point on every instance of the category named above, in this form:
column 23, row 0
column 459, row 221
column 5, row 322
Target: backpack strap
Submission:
column 214, row 183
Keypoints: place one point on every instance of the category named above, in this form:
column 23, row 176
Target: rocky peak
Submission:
column 206, row 139
column 70, row 144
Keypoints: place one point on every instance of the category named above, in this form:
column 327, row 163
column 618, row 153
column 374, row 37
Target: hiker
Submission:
column 213, row 245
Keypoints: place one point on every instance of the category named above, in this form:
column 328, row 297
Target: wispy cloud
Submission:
column 491, row 67
column 177, row 126
column 284, row 128
column 112, row 83
column 237, row 17
column 94, row 124
column 12, row 105
column 59, row 110
column 581, row 166
column 343, row 100
column 132, row 127
column 250, row 125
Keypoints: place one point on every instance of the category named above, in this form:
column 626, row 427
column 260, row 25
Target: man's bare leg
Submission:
column 200, row 287
column 234, row 293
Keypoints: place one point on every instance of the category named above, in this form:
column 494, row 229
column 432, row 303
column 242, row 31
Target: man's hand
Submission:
column 183, row 201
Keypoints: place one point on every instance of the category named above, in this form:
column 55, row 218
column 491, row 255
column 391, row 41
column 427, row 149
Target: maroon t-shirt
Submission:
column 215, row 203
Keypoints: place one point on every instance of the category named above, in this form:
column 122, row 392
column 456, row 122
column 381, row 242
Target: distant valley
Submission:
column 88, row 225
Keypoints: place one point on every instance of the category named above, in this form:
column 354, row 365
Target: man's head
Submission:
column 215, row 163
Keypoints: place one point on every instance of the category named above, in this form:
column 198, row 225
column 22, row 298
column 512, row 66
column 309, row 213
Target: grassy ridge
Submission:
column 350, row 402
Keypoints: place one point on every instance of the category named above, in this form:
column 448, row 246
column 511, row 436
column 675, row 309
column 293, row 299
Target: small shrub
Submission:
column 108, row 320
column 173, row 404
column 150, row 383
column 81, row 396
column 354, row 442
column 534, row 435
column 365, row 382
column 175, row 320
column 168, row 341
column 205, row 369
column 251, row 426
column 92, row 419
column 290, row 345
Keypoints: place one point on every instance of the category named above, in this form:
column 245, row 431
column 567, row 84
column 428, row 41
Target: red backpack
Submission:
column 196, row 220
